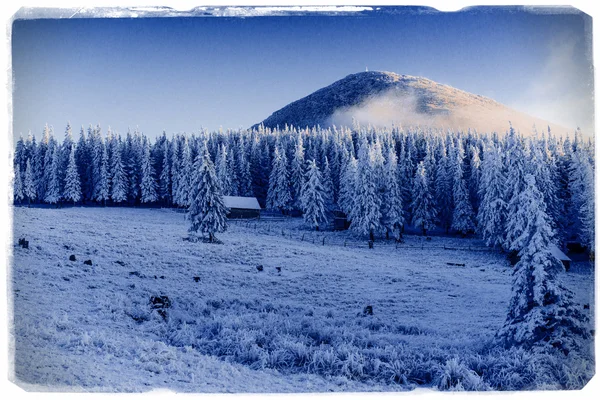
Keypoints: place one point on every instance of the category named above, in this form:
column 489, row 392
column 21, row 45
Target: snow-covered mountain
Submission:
column 387, row 98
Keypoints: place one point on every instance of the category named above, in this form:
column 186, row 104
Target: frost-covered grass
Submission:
column 239, row 329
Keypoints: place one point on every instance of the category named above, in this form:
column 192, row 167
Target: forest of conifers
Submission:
column 382, row 179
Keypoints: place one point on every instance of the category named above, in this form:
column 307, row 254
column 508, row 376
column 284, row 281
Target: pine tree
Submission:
column 541, row 314
column 278, row 195
column 313, row 197
column 423, row 212
column 185, row 176
column 493, row 208
column 462, row 216
column 72, row 188
column 65, row 151
column 234, row 182
column 327, row 186
column 298, row 172
column 348, row 184
column 223, row 171
column 119, row 187
column 148, row 185
column 243, row 166
column 165, row 175
column 392, row 211
column 443, row 190
column 366, row 212
column 18, row 194
column 207, row 212
column 103, row 182
column 29, row 184
column 53, row 194
column 82, row 159
column 583, row 198
column 475, row 177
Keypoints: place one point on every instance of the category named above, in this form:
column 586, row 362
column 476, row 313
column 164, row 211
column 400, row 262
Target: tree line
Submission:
column 381, row 179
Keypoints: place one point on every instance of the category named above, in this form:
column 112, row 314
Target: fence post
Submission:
column 344, row 243
column 302, row 239
column 323, row 240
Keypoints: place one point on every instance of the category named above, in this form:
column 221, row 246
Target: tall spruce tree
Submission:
column 207, row 212
column 165, row 174
column 493, row 209
column 423, row 212
column 366, row 212
column 29, row 184
column 313, row 197
column 119, row 180
column 462, row 216
column 279, row 196
column 18, row 193
column 392, row 210
column 103, row 182
column 541, row 314
column 148, row 184
column 72, row 187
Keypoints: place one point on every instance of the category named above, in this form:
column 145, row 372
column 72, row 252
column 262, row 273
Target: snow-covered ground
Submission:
column 233, row 328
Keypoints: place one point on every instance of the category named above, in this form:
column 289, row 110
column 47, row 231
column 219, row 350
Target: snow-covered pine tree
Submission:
column 120, row 183
column 243, row 166
column 72, row 187
column 82, row 160
column 443, row 190
column 18, row 194
column 423, row 212
column 65, row 151
column 475, row 177
column 392, row 210
column 298, row 172
column 165, row 174
column 327, row 182
column 148, row 184
column 103, row 182
column 516, row 178
column 348, row 184
column 541, row 314
column 462, row 216
column 53, row 195
column 223, row 172
column 583, row 197
column 366, row 212
column 20, row 155
column 207, row 212
column 234, row 181
column 313, row 197
column 185, row 175
column 492, row 209
column 29, row 183
column 278, row 195
column 405, row 168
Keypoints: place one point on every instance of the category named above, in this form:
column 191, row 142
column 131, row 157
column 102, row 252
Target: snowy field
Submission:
column 233, row 328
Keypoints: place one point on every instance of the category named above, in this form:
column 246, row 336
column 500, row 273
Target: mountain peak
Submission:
column 382, row 98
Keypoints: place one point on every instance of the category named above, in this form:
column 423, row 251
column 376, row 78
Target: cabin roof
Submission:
column 246, row 203
column 556, row 252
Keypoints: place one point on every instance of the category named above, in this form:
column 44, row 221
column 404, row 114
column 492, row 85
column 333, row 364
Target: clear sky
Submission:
column 181, row 74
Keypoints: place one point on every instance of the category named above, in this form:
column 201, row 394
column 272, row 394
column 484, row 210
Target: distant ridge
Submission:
column 386, row 98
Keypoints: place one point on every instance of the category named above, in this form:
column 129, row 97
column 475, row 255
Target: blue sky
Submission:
column 181, row 74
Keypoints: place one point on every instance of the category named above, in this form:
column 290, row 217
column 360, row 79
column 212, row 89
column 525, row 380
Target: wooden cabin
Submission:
column 560, row 256
column 340, row 221
column 242, row 207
